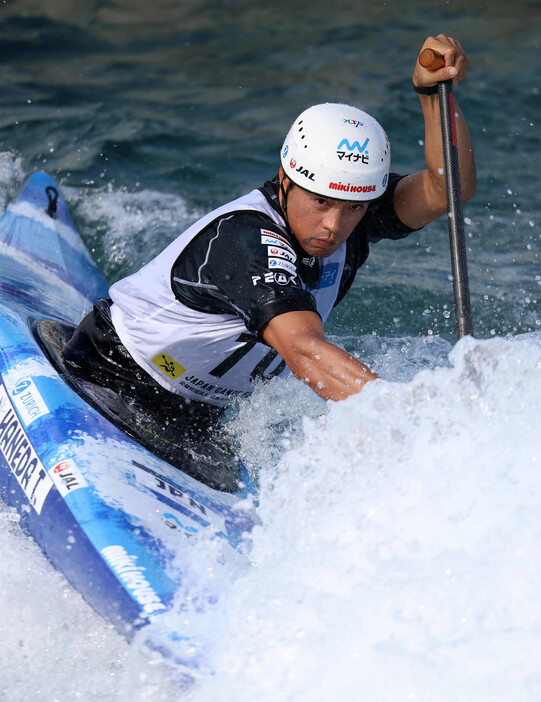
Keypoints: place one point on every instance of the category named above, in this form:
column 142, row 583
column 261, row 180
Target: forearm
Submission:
column 434, row 153
column 300, row 340
column 421, row 198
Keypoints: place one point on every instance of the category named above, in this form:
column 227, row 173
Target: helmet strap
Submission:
column 284, row 193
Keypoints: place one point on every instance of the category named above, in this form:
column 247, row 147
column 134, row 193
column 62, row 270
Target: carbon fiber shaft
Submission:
column 459, row 264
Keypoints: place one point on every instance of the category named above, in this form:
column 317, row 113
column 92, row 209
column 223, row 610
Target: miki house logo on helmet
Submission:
column 350, row 188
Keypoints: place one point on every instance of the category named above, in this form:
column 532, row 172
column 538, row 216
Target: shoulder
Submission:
column 249, row 214
column 248, row 224
column 240, row 235
column 235, row 246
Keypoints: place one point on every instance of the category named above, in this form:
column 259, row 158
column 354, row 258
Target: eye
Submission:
column 359, row 206
column 321, row 201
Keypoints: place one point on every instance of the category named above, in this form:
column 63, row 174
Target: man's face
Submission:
column 320, row 224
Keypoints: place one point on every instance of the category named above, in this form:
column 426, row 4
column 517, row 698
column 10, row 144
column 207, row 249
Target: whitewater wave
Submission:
column 398, row 553
column 125, row 228
column 397, row 556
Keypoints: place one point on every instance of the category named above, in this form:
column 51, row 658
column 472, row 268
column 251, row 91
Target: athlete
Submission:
column 244, row 292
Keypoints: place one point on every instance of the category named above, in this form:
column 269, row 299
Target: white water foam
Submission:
column 52, row 645
column 130, row 226
column 11, row 174
column 397, row 558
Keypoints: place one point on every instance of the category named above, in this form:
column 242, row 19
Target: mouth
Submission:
column 323, row 243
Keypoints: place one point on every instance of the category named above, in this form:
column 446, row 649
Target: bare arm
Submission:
column 300, row 340
column 421, row 197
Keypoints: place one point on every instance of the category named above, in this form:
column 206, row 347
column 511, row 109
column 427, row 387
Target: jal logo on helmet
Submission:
column 300, row 169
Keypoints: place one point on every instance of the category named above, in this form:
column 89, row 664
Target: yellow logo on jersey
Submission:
column 168, row 366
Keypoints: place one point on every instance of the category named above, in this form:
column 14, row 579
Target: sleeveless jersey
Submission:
column 190, row 318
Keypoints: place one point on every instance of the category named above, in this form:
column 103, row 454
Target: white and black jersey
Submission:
column 191, row 317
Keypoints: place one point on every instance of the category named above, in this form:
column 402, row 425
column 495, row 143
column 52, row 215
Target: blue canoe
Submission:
column 100, row 505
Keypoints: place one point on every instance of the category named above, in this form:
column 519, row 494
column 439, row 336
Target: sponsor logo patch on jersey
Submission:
column 275, row 263
column 281, row 278
column 267, row 277
column 273, row 239
column 278, row 252
column 276, row 277
column 168, row 365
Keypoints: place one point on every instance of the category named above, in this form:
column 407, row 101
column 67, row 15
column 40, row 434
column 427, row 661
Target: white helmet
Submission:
column 339, row 152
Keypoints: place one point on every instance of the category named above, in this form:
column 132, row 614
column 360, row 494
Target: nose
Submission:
column 333, row 220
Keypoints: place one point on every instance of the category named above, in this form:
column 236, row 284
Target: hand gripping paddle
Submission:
column 432, row 61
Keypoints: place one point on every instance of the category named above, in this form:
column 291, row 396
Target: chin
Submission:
column 322, row 253
column 329, row 253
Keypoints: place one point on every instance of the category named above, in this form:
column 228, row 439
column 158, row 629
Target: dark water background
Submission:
column 144, row 108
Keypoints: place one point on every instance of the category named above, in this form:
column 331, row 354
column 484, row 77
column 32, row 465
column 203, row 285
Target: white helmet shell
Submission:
column 339, row 152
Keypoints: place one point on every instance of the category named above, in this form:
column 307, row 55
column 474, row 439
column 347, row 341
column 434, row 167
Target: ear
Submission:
column 285, row 180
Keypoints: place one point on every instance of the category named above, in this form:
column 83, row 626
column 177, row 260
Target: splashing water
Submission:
column 397, row 556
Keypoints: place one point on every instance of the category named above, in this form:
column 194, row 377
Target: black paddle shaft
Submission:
column 459, row 265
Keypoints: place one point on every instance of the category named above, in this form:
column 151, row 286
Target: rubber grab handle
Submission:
column 431, row 60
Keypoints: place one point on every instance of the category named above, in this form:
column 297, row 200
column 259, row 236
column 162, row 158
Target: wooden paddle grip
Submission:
column 431, row 60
